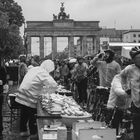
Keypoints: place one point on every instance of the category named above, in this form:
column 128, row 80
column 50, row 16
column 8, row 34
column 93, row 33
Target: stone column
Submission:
column 41, row 45
column 71, row 46
column 29, row 51
column 54, row 47
column 96, row 44
column 84, row 45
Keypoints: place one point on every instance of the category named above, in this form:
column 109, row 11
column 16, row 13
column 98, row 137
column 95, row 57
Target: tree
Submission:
column 3, row 31
column 59, row 55
column 11, row 43
column 14, row 45
column 3, row 20
column 14, row 12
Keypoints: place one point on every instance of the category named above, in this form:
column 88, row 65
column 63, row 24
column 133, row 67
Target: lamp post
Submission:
column 25, row 41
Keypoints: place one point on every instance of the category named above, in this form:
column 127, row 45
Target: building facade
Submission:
column 132, row 36
column 106, row 36
column 112, row 34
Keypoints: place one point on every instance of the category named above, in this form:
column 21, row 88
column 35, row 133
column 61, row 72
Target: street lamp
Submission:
column 25, row 41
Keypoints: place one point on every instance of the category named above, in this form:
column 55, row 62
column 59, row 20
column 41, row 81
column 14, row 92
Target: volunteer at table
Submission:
column 29, row 91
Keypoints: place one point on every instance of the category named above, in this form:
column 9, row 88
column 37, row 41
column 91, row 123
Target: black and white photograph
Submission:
column 69, row 70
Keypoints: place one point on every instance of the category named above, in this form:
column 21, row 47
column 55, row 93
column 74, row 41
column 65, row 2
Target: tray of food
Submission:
column 66, row 106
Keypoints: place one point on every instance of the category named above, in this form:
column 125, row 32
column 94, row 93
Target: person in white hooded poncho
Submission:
column 31, row 87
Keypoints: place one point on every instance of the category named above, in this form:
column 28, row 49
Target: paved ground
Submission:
column 11, row 132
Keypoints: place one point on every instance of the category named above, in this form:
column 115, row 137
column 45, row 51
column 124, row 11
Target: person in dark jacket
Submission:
column 2, row 83
column 22, row 69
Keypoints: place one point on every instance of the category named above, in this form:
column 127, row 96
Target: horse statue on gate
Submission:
column 62, row 15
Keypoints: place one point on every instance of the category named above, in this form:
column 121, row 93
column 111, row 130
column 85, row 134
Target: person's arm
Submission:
column 124, row 75
column 118, row 69
column 50, row 83
column 74, row 71
column 116, row 86
column 96, row 59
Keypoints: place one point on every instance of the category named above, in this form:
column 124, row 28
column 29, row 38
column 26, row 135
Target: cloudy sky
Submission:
column 121, row 14
column 111, row 13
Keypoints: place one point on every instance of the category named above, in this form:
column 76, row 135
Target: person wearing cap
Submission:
column 107, row 67
column 27, row 96
column 130, row 76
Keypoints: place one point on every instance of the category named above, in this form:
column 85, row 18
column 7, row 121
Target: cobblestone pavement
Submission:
column 11, row 132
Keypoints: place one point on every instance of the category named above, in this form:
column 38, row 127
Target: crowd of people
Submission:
column 80, row 75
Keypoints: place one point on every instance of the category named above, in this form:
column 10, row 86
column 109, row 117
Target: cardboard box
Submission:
column 62, row 133
column 94, row 134
column 59, row 133
column 49, row 134
column 82, row 124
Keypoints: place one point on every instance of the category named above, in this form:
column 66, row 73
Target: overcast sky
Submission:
column 119, row 14
column 122, row 14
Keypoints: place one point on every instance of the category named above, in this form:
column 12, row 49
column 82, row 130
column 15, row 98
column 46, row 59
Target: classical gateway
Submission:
column 62, row 26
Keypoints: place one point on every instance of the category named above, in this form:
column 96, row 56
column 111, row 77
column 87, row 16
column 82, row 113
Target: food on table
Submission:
column 61, row 104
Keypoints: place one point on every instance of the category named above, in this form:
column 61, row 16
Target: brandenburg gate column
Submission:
column 29, row 44
column 54, row 47
column 96, row 44
column 71, row 46
column 84, row 45
column 41, row 41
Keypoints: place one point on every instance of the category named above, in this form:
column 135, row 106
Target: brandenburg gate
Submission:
column 62, row 26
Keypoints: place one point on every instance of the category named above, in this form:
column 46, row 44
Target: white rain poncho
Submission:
column 33, row 83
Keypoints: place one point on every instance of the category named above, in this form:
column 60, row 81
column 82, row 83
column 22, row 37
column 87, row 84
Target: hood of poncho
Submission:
column 47, row 65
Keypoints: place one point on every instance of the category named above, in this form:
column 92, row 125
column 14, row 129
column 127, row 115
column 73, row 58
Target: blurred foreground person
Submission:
column 131, row 77
column 2, row 83
column 29, row 91
column 118, row 102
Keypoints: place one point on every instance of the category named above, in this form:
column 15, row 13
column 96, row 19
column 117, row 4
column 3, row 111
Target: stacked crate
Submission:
column 92, row 130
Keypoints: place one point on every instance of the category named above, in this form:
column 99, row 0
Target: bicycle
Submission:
column 123, row 126
column 97, row 101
